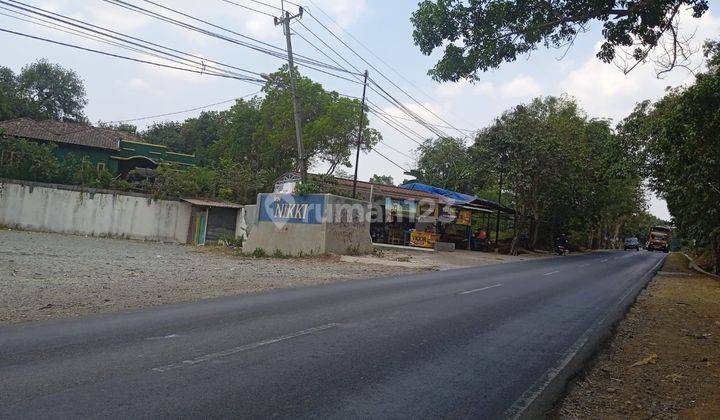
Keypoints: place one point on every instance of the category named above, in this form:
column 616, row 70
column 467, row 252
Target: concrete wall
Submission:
column 67, row 209
column 348, row 230
column 339, row 232
column 247, row 220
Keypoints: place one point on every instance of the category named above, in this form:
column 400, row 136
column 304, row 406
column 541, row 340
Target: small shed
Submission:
column 213, row 220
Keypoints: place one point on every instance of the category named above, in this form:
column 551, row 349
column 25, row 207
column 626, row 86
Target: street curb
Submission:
column 540, row 398
column 697, row 268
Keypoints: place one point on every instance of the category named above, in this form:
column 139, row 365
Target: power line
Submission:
column 278, row 53
column 183, row 111
column 389, row 160
column 378, row 71
column 249, row 8
column 94, row 29
column 246, row 79
column 369, row 50
column 396, row 150
column 431, row 127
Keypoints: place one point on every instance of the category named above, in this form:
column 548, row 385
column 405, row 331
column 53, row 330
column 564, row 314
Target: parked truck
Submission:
column 659, row 238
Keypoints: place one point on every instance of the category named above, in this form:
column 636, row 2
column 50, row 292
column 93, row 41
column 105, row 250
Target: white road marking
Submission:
column 165, row 337
column 246, row 347
column 605, row 260
column 480, row 289
column 551, row 273
column 585, row 265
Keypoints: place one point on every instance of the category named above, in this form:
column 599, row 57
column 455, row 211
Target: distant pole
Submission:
column 497, row 221
column 360, row 131
column 285, row 21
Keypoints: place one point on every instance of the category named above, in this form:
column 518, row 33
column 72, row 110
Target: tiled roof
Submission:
column 65, row 132
column 388, row 190
column 380, row 190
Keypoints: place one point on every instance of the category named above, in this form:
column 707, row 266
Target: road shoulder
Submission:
column 664, row 358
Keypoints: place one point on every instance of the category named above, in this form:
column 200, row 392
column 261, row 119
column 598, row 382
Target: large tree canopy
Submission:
column 478, row 35
column 52, row 92
column 42, row 90
column 563, row 172
column 680, row 135
column 445, row 163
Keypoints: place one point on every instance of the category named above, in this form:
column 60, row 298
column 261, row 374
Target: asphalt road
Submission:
column 485, row 342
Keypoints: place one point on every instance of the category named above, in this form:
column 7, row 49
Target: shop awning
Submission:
column 455, row 198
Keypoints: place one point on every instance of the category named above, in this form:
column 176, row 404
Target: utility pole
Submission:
column 285, row 21
column 360, row 131
column 497, row 221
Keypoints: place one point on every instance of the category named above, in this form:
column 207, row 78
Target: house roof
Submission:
column 387, row 190
column 412, row 191
column 379, row 190
column 66, row 132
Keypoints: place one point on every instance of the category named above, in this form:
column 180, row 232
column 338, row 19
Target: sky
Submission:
column 121, row 90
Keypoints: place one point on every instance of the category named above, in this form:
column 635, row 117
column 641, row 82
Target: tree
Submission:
column 342, row 173
column 201, row 132
column 563, row 173
column 680, row 136
column 9, row 100
column 445, row 163
column 51, row 92
column 382, row 179
column 167, row 134
column 480, row 35
column 126, row 127
column 330, row 126
column 236, row 138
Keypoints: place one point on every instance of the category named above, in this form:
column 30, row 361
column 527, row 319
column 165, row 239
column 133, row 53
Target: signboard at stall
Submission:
column 423, row 239
column 405, row 209
column 464, row 217
column 292, row 208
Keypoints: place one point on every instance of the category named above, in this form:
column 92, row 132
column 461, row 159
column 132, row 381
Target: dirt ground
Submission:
column 663, row 361
column 45, row 276
column 436, row 260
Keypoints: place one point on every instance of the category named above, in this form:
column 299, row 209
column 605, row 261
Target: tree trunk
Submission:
column 535, row 229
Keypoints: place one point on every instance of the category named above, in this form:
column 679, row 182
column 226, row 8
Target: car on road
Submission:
column 632, row 243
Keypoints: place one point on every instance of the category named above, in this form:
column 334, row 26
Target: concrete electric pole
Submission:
column 359, row 140
column 285, row 22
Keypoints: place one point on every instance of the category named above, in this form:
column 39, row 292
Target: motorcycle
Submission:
column 561, row 250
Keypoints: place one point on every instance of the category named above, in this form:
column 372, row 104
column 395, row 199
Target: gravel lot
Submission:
column 44, row 276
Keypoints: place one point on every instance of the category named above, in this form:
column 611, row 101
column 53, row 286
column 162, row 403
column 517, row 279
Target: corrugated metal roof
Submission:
column 212, row 203
column 66, row 132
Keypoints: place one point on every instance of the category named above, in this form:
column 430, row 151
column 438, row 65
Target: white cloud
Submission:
column 521, row 87
column 448, row 90
column 603, row 90
column 344, row 12
column 484, row 88
column 137, row 83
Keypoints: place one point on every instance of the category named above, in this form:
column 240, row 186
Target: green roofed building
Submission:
column 116, row 151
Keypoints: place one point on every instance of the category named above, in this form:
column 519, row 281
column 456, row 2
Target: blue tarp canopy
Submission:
column 454, row 197
column 458, row 198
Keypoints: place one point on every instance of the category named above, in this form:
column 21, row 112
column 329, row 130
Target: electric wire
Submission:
column 247, row 79
column 185, row 110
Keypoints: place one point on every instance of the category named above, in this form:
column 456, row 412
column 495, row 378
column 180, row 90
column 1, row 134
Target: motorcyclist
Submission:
column 562, row 242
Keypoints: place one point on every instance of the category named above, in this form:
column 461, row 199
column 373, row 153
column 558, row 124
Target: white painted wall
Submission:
column 64, row 209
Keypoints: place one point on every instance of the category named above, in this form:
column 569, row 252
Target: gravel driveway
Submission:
column 45, row 276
